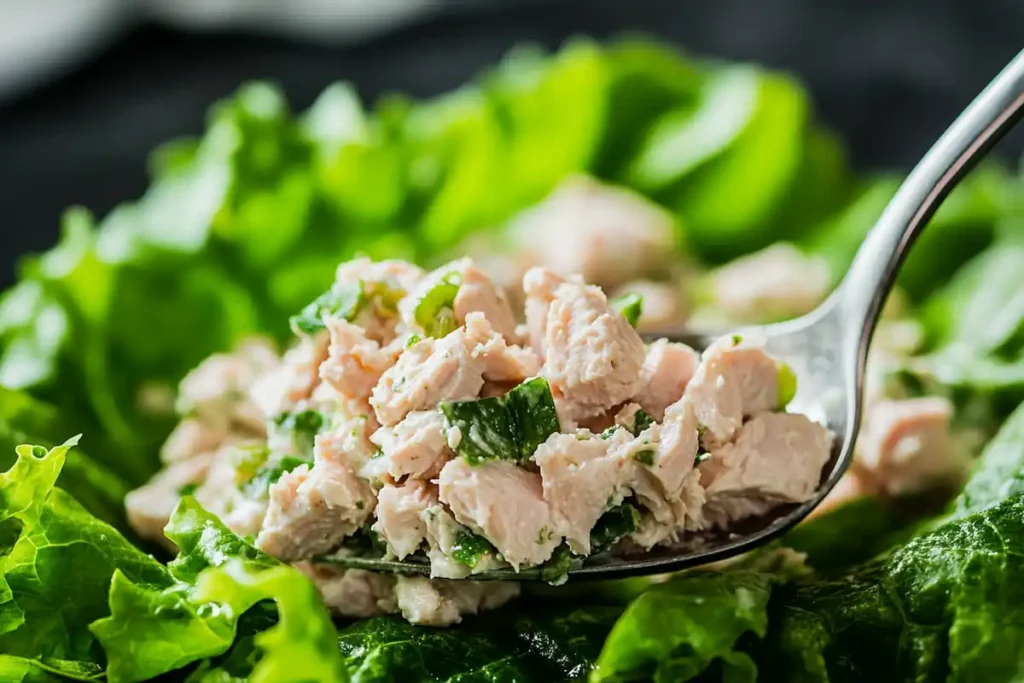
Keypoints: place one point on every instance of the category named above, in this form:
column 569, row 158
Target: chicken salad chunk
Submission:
column 419, row 416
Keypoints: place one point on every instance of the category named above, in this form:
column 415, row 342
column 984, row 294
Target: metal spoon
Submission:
column 828, row 347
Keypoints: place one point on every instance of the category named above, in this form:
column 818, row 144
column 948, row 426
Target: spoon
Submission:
column 827, row 348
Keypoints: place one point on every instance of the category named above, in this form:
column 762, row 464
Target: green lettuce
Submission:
column 535, row 644
column 56, row 563
column 193, row 614
column 675, row 630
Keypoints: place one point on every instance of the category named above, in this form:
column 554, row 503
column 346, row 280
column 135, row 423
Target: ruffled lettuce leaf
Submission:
column 24, row 419
column 56, row 562
column 536, row 644
column 947, row 605
column 676, row 630
column 216, row 578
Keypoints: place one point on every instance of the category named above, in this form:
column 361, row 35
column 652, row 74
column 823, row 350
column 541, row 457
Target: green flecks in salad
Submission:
column 246, row 225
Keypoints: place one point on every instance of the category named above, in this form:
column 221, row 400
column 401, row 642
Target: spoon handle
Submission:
column 863, row 291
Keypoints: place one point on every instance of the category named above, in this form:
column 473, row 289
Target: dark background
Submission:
column 889, row 74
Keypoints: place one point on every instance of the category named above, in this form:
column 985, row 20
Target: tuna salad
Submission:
column 423, row 416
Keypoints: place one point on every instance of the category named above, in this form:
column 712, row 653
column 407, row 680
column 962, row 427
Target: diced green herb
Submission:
column 188, row 489
column 630, row 305
column 412, row 340
column 556, row 568
column 247, row 461
column 302, row 426
column 268, row 474
column 645, row 457
column 614, row 525
column 343, row 300
column 787, row 385
column 469, row 548
column 435, row 311
column 736, row 339
column 701, row 457
column 384, row 297
column 641, row 421
column 510, row 427
column 610, row 432
column 533, row 414
column 486, row 427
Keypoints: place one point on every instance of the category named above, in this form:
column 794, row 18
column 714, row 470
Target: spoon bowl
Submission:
column 827, row 348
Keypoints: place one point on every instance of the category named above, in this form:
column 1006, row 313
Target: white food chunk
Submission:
column 592, row 355
column 416, row 447
column 776, row 457
column 400, row 515
column 428, row 372
column 733, row 381
column 312, row 509
column 667, row 369
column 580, row 482
column 354, row 363
column 505, row 504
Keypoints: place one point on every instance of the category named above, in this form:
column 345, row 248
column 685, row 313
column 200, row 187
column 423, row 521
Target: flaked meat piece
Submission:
column 382, row 285
column 666, row 522
column 220, row 493
column 668, row 367
column 352, row 592
column 192, row 437
column 416, row 447
column 592, row 355
column 362, row 594
column 401, row 273
column 580, row 482
column 347, row 442
column 354, row 363
column 312, row 509
column 400, row 512
column 662, row 475
column 505, row 504
column 607, row 234
column 478, row 294
column 906, row 445
column 776, row 283
column 475, row 292
column 502, row 362
column 675, row 445
column 428, row 372
column 149, row 507
column 216, row 385
column 539, row 285
column 444, row 537
column 775, row 458
column 294, row 380
column 431, row 602
column 733, row 381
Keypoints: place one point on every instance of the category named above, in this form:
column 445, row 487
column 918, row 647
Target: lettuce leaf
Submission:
column 675, row 630
column 24, row 419
column 56, row 562
column 944, row 606
column 538, row 644
column 216, row 578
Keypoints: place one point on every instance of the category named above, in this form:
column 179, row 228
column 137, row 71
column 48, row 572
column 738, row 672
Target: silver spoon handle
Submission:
column 863, row 291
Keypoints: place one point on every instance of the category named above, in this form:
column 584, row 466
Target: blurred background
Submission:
column 88, row 88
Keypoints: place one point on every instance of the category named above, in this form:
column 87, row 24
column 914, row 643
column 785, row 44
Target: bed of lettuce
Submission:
column 244, row 226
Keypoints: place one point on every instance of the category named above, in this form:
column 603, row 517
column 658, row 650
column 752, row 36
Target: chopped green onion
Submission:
column 630, row 305
column 787, row 385
column 435, row 311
